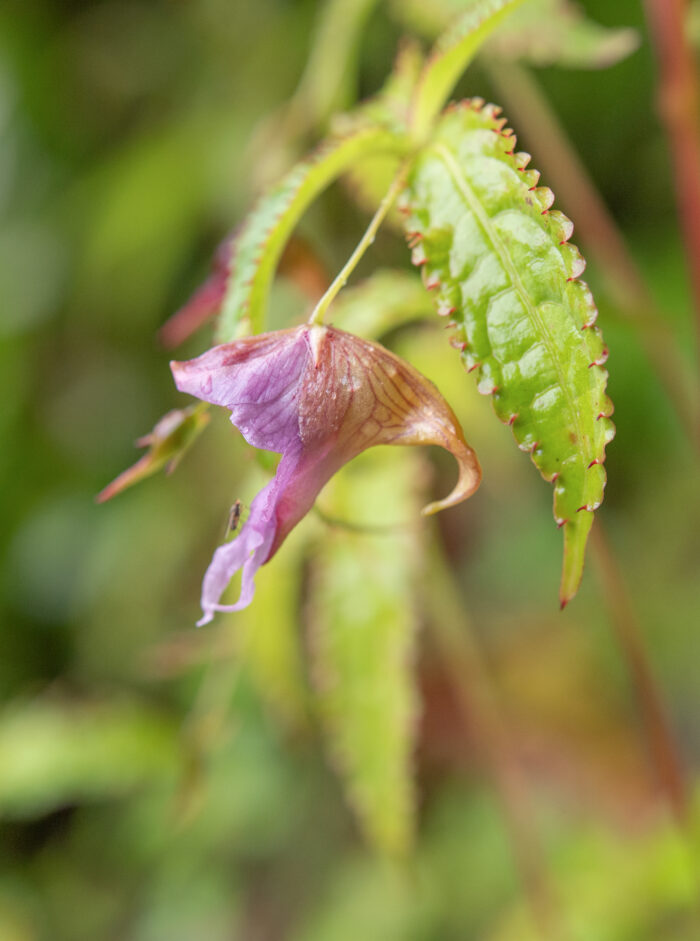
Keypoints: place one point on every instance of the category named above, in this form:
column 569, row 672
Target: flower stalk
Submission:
column 339, row 282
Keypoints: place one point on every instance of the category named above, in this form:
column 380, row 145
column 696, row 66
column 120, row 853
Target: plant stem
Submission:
column 464, row 666
column 660, row 738
column 367, row 239
column 600, row 236
column 679, row 107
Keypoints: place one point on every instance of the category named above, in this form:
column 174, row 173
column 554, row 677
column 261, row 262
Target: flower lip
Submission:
column 319, row 396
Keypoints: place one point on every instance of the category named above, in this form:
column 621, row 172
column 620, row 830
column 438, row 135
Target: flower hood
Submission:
column 319, row 396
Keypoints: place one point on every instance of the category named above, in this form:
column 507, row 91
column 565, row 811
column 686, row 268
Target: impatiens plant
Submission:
column 496, row 264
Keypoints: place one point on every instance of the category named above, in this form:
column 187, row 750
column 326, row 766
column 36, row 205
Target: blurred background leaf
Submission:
column 54, row 753
column 362, row 616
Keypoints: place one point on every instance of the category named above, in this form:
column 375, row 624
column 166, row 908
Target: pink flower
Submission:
column 319, row 396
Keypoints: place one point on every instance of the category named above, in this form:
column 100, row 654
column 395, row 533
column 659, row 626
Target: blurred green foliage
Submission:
column 162, row 783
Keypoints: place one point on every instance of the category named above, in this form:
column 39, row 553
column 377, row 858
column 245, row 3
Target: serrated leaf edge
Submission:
column 560, row 228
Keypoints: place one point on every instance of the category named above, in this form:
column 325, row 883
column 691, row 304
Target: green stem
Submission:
column 679, row 105
column 367, row 239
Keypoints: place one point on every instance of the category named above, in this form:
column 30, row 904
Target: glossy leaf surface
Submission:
column 259, row 244
column 502, row 270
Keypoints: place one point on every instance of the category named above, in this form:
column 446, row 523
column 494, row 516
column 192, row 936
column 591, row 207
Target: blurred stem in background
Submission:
column 679, row 107
column 467, row 673
column 623, row 617
column 600, row 237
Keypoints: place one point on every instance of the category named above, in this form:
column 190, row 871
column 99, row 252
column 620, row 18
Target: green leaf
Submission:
column 501, row 267
column 259, row 244
column 53, row 753
column 452, row 53
column 542, row 33
column 363, row 620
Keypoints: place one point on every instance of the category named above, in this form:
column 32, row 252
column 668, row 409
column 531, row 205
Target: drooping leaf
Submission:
column 53, row 753
column 452, row 53
column 363, row 619
column 541, row 33
column 501, row 267
column 262, row 237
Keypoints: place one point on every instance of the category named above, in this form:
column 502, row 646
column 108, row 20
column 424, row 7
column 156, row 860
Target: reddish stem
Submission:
column 659, row 734
column 679, row 107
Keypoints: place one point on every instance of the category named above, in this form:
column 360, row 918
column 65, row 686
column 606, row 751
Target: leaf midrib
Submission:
column 503, row 255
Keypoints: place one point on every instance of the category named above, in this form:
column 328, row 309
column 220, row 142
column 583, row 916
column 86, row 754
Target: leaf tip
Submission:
column 575, row 539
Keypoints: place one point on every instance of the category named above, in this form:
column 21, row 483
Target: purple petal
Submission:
column 319, row 396
column 253, row 545
column 257, row 379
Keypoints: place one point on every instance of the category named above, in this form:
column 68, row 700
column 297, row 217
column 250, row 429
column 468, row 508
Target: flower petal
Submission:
column 389, row 402
column 248, row 551
column 257, row 379
column 319, row 396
